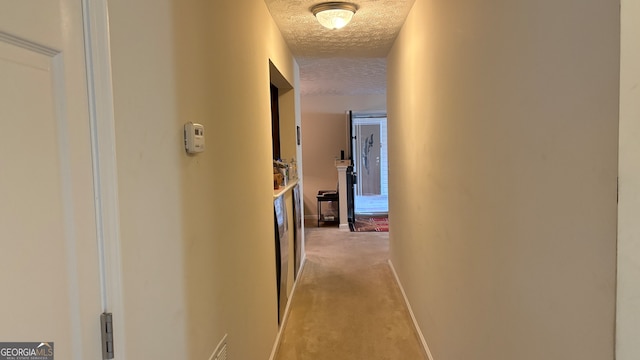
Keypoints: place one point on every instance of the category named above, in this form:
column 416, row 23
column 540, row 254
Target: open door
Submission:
column 351, row 174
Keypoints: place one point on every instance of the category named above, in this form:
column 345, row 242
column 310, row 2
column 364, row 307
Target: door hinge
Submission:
column 106, row 323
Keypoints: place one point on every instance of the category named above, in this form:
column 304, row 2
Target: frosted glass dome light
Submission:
column 334, row 15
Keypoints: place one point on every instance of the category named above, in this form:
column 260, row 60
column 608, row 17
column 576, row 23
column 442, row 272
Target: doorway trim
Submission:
column 103, row 152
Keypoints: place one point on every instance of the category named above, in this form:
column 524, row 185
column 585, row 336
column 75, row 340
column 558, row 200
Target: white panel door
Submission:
column 49, row 269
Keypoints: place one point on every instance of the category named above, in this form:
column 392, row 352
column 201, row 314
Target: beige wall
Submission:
column 324, row 134
column 628, row 317
column 503, row 126
column 197, row 231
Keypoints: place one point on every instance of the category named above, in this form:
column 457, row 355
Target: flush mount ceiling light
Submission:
column 334, row 15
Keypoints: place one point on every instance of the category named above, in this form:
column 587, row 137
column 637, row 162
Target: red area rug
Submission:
column 371, row 223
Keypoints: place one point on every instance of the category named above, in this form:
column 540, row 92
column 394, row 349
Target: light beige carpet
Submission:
column 347, row 304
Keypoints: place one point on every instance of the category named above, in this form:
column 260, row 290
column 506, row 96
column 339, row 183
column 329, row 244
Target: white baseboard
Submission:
column 285, row 318
column 413, row 317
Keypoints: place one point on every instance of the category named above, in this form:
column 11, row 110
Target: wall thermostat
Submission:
column 193, row 137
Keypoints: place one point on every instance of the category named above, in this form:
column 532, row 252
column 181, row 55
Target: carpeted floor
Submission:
column 347, row 305
column 369, row 223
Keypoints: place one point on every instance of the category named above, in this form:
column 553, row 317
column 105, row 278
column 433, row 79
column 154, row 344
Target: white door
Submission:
column 49, row 268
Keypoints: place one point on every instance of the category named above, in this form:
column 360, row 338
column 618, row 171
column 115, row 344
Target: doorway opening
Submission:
column 370, row 164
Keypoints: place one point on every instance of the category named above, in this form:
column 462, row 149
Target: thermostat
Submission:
column 193, row 137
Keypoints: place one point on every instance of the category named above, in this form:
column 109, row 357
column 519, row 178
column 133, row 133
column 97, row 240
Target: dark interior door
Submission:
column 351, row 175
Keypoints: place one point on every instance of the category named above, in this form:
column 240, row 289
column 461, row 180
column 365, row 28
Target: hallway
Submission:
column 347, row 304
column 514, row 183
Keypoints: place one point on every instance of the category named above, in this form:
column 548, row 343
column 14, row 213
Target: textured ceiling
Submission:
column 348, row 61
